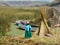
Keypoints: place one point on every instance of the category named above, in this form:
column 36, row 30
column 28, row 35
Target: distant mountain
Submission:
column 54, row 3
column 22, row 3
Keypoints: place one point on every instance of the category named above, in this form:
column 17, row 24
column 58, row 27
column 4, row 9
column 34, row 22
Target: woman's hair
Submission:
column 27, row 24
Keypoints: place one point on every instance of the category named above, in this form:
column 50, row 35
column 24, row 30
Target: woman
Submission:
column 28, row 33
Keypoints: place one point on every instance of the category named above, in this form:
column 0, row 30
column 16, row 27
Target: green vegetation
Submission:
column 14, row 31
column 8, row 30
column 8, row 15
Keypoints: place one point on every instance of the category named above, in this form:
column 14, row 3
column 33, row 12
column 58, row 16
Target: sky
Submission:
column 28, row 0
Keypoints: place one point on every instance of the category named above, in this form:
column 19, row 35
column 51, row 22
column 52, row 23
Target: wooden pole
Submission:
column 43, row 28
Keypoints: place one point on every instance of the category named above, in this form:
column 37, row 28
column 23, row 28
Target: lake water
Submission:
column 23, row 27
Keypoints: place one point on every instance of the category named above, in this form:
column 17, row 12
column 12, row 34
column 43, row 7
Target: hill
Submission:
column 22, row 3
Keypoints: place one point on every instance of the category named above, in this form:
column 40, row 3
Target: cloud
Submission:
column 14, row 0
column 28, row 0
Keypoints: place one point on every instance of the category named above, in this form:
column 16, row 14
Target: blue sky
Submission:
column 28, row 0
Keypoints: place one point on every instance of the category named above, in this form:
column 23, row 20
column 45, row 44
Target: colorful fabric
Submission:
column 28, row 33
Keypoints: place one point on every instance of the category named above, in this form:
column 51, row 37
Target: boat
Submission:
column 21, row 26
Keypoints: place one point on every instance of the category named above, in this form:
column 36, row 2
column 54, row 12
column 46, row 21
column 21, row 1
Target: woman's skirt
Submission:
column 28, row 34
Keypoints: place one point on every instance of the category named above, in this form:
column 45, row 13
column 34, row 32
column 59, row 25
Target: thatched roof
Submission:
column 54, row 16
column 51, row 14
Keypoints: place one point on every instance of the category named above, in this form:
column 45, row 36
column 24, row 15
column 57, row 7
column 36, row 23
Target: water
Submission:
column 23, row 26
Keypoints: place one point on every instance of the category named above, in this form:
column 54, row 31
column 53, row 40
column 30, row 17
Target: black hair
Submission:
column 27, row 24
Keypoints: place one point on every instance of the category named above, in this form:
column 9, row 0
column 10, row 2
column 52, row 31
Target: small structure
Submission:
column 46, row 13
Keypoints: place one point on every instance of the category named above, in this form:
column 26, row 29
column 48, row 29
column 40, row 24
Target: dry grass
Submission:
column 24, row 13
column 10, row 14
